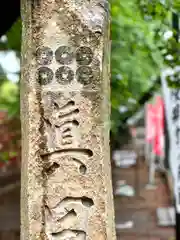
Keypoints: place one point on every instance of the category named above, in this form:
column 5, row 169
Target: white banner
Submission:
column 172, row 111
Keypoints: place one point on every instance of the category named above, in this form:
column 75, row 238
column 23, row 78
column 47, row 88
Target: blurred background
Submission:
column 145, row 44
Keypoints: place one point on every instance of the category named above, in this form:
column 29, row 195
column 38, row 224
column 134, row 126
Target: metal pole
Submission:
column 152, row 169
column 146, row 143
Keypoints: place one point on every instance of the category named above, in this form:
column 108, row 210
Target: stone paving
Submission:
column 141, row 209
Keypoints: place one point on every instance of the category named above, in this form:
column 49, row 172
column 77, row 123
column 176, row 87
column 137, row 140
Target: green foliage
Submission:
column 135, row 57
column 139, row 49
column 13, row 38
column 9, row 92
column 9, row 98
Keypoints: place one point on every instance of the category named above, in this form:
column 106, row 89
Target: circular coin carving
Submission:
column 64, row 55
column 84, row 75
column 45, row 75
column 44, row 56
column 84, row 56
column 64, row 75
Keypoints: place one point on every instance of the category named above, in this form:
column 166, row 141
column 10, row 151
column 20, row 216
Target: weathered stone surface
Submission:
column 66, row 178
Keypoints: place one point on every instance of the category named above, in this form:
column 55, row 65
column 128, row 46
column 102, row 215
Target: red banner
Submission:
column 150, row 123
column 158, row 145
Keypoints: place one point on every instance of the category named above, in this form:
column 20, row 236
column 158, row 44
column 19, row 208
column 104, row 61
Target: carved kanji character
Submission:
column 177, row 135
column 176, row 112
column 67, row 214
column 175, row 94
column 179, row 195
column 179, row 173
column 61, row 119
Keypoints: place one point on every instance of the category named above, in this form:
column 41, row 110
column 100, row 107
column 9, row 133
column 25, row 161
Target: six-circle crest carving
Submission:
column 64, row 55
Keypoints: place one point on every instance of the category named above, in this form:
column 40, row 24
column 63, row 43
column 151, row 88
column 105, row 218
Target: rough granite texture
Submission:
column 66, row 177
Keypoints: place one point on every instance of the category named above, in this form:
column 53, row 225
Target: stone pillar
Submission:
column 66, row 178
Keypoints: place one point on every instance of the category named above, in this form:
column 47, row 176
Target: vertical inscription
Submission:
column 68, row 214
column 60, row 121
